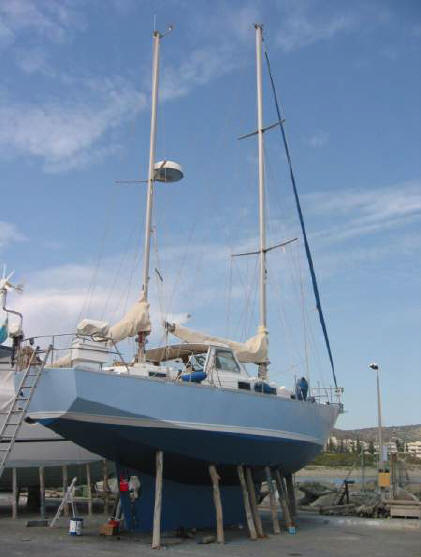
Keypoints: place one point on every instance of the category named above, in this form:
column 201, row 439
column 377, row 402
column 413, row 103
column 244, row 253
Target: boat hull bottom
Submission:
column 183, row 505
column 136, row 447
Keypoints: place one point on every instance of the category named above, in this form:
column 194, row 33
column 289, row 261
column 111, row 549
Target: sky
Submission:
column 74, row 119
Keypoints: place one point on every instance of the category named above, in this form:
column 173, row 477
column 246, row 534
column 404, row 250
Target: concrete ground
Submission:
column 316, row 537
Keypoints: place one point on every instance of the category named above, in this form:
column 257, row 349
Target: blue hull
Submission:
column 127, row 418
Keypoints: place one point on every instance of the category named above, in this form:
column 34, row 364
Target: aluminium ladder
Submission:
column 17, row 412
column 68, row 499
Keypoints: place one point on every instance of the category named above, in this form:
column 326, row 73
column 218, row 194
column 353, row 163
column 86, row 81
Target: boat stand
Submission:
column 283, row 501
column 182, row 505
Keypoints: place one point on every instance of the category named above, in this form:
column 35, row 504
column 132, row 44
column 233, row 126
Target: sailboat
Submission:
column 209, row 411
column 36, row 446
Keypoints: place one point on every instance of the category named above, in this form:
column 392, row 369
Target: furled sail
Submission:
column 135, row 321
column 254, row 350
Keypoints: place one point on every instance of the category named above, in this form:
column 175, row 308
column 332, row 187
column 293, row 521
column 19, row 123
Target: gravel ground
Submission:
column 315, row 537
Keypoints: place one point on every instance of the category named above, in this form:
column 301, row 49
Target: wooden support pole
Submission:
column 283, row 502
column 15, row 500
column 249, row 517
column 42, row 491
column 291, row 496
column 65, row 482
column 89, row 486
column 253, row 503
column 105, row 487
column 156, row 534
column 218, row 505
column 272, row 501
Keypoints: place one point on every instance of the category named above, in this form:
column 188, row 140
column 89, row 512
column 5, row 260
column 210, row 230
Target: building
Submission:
column 414, row 448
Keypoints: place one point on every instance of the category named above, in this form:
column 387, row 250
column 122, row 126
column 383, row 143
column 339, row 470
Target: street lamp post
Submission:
column 375, row 367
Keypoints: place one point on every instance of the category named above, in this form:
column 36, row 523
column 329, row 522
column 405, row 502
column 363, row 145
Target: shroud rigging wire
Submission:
column 301, row 219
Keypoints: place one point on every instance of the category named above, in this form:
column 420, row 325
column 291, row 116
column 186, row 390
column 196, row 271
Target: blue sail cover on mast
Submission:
column 301, row 218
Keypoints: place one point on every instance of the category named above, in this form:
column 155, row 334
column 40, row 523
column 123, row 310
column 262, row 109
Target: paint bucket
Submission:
column 76, row 526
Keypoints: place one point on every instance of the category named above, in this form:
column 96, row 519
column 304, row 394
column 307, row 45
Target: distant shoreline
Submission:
column 339, row 473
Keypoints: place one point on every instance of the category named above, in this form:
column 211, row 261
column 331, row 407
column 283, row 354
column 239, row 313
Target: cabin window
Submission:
column 157, row 374
column 224, row 360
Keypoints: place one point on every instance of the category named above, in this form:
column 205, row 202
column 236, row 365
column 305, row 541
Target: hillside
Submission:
column 403, row 432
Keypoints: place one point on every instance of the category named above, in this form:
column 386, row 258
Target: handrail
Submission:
column 33, row 340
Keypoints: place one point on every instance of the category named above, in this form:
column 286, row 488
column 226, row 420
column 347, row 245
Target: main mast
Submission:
column 151, row 170
column 163, row 171
column 151, row 182
column 262, row 224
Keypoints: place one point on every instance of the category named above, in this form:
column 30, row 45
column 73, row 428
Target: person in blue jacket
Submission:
column 301, row 389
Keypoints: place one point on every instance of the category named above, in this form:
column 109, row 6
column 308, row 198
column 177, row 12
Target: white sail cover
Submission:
column 135, row 321
column 253, row 351
column 91, row 327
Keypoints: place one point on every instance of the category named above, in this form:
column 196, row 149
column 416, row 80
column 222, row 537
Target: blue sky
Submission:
column 74, row 117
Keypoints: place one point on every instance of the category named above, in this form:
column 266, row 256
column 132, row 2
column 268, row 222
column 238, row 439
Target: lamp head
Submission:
column 374, row 366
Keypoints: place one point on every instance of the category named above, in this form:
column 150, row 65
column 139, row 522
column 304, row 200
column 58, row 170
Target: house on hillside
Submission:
column 414, row 448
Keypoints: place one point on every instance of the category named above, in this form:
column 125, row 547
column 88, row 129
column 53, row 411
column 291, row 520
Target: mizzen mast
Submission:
column 262, row 222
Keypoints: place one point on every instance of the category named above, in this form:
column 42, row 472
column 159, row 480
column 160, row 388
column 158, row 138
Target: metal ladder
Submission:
column 16, row 414
column 68, row 499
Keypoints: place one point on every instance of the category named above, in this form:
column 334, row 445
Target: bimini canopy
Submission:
column 253, row 351
column 182, row 351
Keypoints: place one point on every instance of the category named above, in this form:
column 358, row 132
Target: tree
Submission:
column 371, row 449
column 400, row 445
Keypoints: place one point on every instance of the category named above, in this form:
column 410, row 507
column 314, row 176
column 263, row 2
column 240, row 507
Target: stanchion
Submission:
column 65, row 485
column 156, row 534
column 89, row 487
column 291, row 497
column 253, row 503
column 249, row 517
column 105, row 487
column 218, row 505
column 15, row 500
column 272, row 501
column 283, row 502
column 42, row 491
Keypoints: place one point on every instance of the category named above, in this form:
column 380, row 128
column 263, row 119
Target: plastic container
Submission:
column 76, row 526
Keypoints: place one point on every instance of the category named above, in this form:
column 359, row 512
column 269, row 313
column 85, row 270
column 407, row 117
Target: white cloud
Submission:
column 66, row 134
column 198, row 68
column 6, row 35
column 9, row 234
column 318, row 139
column 33, row 60
column 56, row 298
column 300, row 29
column 51, row 20
column 362, row 212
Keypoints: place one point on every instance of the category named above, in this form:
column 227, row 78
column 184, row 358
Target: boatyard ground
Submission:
column 315, row 537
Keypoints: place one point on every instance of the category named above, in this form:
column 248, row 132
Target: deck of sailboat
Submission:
column 126, row 418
